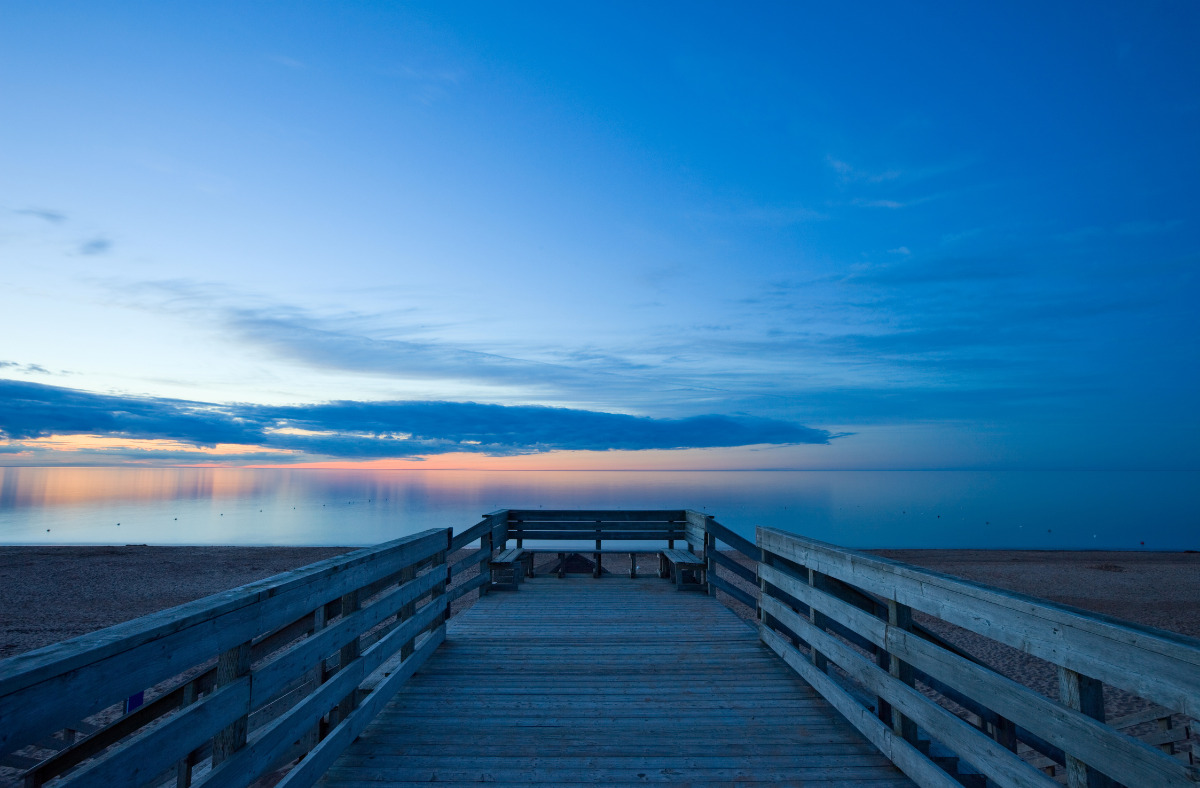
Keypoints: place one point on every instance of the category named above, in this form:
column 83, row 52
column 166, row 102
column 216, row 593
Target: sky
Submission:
column 612, row 235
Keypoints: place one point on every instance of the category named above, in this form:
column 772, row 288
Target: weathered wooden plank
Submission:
column 270, row 678
column 908, row 758
column 581, row 536
column 1159, row 665
column 319, row 759
column 48, row 689
column 264, row 750
column 564, row 671
column 150, row 752
column 476, row 558
column 1119, row 756
column 729, row 588
column 1001, row 765
column 464, row 538
column 476, row 582
column 724, row 561
column 735, row 541
column 603, row 515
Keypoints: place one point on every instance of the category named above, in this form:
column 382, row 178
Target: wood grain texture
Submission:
column 1161, row 666
column 622, row 681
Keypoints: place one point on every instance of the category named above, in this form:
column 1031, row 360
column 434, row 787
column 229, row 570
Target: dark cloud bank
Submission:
column 375, row 429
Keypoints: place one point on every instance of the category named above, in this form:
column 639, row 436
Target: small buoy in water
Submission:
column 47, row 530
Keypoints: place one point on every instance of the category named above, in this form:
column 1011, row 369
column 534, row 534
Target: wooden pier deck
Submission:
column 612, row 681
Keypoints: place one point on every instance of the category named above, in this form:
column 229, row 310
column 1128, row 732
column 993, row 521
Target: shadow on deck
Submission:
column 612, row 681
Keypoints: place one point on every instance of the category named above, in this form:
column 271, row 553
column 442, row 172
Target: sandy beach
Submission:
column 54, row 593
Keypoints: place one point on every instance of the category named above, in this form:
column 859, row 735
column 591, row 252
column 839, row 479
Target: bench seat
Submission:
column 674, row 563
column 510, row 567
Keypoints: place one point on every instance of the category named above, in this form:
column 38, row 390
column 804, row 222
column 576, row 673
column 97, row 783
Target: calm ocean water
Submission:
column 1152, row 510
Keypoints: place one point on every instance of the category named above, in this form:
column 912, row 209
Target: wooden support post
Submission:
column 439, row 590
column 900, row 616
column 817, row 580
column 710, row 566
column 183, row 769
column 485, row 544
column 1084, row 694
column 596, row 570
column 633, row 566
column 350, row 603
column 231, row 666
column 318, row 675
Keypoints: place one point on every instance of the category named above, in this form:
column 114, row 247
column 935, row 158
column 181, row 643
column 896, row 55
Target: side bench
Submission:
column 509, row 568
column 674, row 563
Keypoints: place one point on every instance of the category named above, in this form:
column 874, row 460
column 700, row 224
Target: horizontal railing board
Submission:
column 736, row 541
column 46, row 690
column 1117, row 755
column 478, row 557
column 608, row 536
column 1001, row 765
column 517, row 528
column 482, row 528
column 476, row 582
column 735, row 592
column 1161, row 666
column 910, row 760
column 320, row 758
column 269, row 679
column 149, row 752
column 245, row 765
column 603, row 515
column 744, row 572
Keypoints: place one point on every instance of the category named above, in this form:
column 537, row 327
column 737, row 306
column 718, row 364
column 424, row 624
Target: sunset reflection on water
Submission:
column 1042, row 510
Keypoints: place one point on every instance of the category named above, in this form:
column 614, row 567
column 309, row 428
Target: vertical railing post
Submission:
column 407, row 610
column 818, row 619
column 231, row 666
column 439, row 591
column 900, row 617
column 599, row 542
column 485, row 545
column 1086, row 695
column 351, row 603
column 710, row 566
column 317, row 675
column 183, row 769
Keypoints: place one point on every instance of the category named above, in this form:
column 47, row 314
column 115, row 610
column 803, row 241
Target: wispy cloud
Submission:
column 351, row 429
column 849, row 173
column 54, row 217
column 16, row 367
column 95, row 246
column 286, row 61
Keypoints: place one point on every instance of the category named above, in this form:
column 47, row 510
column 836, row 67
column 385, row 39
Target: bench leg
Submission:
column 633, row 566
column 562, row 565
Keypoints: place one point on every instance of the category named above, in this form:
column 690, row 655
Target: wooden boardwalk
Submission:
column 614, row 682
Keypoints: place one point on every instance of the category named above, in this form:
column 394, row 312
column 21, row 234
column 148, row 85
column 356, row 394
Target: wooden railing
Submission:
column 844, row 621
column 227, row 689
column 237, row 684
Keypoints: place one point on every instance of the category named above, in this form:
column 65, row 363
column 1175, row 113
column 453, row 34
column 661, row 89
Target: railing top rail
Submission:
column 35, row 666
column 597, row 515
column 1154, row 663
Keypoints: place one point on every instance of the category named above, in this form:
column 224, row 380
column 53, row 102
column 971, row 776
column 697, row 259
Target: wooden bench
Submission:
column 509, row 568
column 674, row 563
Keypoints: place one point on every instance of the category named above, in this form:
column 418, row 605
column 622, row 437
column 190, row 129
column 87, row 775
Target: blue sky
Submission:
column 791, row 235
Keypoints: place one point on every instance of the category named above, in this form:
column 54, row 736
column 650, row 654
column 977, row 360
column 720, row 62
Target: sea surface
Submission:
column 1078, row 510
